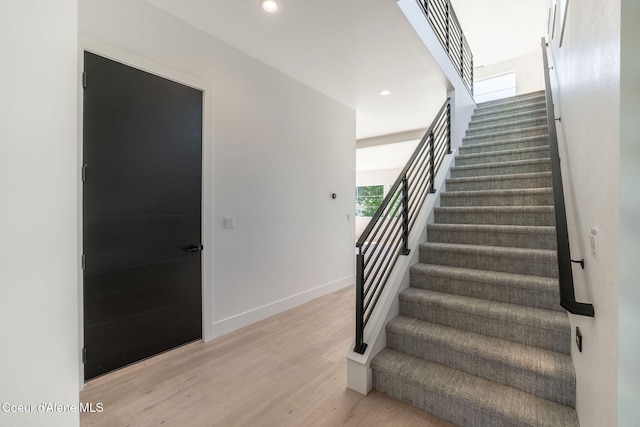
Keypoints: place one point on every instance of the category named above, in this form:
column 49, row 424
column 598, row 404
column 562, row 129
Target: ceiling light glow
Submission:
column 385, row 92
column 270, row 6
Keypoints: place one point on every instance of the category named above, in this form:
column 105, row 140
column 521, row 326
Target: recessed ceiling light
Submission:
column 270, row 6
column 385, row 92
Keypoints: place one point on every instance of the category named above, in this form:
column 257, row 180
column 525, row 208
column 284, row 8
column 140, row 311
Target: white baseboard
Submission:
column 230, row 324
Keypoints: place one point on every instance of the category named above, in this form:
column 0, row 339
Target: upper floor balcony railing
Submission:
column 444, row 22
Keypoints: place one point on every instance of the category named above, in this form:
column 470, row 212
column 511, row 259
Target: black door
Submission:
column 141, row 214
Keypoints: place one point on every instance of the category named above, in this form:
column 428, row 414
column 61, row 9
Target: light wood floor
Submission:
column 288, row 370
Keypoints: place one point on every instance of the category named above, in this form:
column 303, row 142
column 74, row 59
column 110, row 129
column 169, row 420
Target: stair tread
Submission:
column 522, row 122
column 464, row 390
column 503, row 192
column 513, row 209
column 486, row 110
column 484, row 276
column 505, row 132
column 502, row 105
column 536, row 112
column 543, row 362
column 546, row 229
column 493, row 250
column 504, row 152
column 514, row 314
column 503, row 142
column 498, row 215
column 499, row 177
column 542, row 160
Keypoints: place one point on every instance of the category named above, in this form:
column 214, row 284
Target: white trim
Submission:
column 91, row 45
column 241, row 320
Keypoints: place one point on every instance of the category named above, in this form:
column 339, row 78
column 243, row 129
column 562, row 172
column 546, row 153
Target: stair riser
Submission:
column 495, row 218
column 515, row 144
column 505, row 135
column 464, row 399
column 481, row 199
column 497, row 169
column 554, row 340
column 502, row 119
column 509, row 126
column 507, row 110
column 529, row 154
column 528, row 240
column 500, row 184
column 546, row 299
column 489, row 113
column 458, row 410
column 537, row 265
column 506, row 104
column 561, row 390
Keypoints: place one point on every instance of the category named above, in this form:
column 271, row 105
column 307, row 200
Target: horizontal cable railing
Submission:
column 565, row 274
column 386, row 236
column 444, row 22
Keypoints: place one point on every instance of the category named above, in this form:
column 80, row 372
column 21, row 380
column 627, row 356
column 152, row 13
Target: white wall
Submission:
column 629, row 292
column 528, row 69
column 587, row 68
column 280, row 149
column 38, row 176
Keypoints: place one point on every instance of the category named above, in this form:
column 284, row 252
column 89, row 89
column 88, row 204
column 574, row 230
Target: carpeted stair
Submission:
column 481, row 339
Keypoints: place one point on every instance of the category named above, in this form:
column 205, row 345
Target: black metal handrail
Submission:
column 565, row 273
column 387, row 234
column 445, row 24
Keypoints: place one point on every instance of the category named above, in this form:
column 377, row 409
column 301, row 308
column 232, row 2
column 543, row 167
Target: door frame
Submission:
column 127, row 58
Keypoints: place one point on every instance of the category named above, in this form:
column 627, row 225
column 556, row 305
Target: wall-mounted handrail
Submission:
column 387, row 234
column 565, row 273
column 445, row 24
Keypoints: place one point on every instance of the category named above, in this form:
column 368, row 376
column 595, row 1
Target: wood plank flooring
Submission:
column 288, row 370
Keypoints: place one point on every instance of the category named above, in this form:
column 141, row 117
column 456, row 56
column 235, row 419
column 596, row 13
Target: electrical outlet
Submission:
column 579, row 339
column 595, row 243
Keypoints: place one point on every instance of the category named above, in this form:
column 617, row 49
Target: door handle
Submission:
column 194, row 248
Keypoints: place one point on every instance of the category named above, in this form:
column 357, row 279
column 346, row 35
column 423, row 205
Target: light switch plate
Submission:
column 595, row 243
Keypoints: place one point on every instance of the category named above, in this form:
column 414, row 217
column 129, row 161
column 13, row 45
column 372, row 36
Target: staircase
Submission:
column 481, row 339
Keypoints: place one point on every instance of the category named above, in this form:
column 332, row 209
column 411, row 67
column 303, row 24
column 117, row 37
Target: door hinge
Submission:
column 84, row 80
column 84, row 173
column 83, row 261
column 84, row 354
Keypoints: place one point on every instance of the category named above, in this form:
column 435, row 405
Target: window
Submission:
column 368, row 199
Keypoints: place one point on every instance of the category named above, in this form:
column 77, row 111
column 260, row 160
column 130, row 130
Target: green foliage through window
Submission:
column 368, row 199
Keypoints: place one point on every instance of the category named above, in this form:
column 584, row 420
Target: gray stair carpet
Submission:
column 481, row 339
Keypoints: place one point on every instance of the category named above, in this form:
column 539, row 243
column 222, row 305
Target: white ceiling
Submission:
column 351, row 50
column 387, row 156
column 499, row 30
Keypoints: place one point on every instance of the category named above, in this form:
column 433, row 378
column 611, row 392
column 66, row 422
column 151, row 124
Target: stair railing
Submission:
column 386, row 236
column 445, row 24
column 565, row 273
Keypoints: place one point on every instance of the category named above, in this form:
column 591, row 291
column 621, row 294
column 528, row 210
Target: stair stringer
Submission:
column 388, row 307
